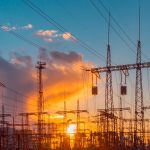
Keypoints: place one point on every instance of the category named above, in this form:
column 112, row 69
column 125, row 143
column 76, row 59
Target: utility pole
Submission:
column 40, row 66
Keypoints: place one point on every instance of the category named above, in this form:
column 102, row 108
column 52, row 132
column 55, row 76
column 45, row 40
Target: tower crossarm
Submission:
column 119, row 67
column 78, row 111
column 62, row 112
column 27, row 114
column 146, row 107
column 146, row 120
column 115, row 109
column 5, row 115
column 72, row 111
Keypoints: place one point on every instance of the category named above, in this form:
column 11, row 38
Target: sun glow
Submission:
column 71, row 130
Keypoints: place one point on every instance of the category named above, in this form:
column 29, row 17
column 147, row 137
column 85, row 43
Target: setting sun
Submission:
column 71, row 129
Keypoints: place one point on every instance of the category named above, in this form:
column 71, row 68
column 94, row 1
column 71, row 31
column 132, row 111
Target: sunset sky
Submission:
column 64, row 53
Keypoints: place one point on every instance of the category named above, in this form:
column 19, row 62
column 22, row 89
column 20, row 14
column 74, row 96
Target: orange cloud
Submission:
column 46, row 33
column 67, row 36
column 62, row 77
column 50, row 35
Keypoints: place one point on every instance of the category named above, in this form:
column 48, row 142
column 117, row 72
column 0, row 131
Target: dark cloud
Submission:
column 70, row 57
column 18, row 59
column 62, row 72
column 17, row 76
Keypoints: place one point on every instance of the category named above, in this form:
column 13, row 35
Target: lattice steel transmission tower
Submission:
column 110, row 122
column 108, row 88
column 139, row 107
column 40, row 66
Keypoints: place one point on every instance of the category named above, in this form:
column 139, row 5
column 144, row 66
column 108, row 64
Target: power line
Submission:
column 21, row 37
column 100, row 12
column 25, row 39
column 120, row 27
column 14, row 91
column 119, row 35
column 115, row 21
column 39, row 11
column 116, row 94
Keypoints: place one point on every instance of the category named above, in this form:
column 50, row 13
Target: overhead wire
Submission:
column 115, row 21
column 119, row 35
column 25, row 39
column 34, row 44
column 45, row 16
column 52, row 21
column 29, row 41
column 93, row 4
column 121, row 28
column 117, row 95
column 18, row 100
column 21, row 37
column 84, row 45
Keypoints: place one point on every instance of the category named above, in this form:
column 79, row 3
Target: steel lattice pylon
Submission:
column 109, row 100
column 108, row 88
column 110, row 122
column 139, row 111
column 40, row 66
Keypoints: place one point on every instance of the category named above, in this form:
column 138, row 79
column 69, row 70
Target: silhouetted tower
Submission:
column 139, row 111
column 40, row 66
column 108, row 89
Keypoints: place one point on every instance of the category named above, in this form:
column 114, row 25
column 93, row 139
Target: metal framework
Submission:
column 139, row 111
column 139, row 107
column 120, row 67
column 40, row 66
